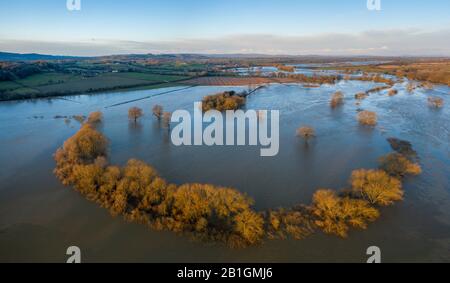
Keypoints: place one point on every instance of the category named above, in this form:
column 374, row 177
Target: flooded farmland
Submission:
column 40, row 218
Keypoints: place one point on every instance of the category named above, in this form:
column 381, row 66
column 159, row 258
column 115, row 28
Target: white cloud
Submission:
column 375, row 42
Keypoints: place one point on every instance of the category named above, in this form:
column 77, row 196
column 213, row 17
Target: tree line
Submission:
column 214, row 213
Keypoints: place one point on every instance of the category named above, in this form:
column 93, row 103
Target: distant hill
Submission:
column 5, row 56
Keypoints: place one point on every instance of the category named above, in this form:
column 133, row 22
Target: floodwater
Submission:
column 40, row 218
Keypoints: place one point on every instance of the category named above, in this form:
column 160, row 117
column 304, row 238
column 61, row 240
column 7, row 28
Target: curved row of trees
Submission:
column 208, row 212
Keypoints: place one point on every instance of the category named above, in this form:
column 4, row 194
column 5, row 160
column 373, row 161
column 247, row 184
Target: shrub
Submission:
column 83, row 148
column 227, row 100
column 337, row 99
column 157, row 111
column 306, row 132
column 335, row 215
column 435, row 102
column 360, row 95
column 295, row 223
column 398, row 165
column 367, row 118
column 376, row 186
column 95, row 117
column 166, row 118
column 134, row 113
column 250, row 226
column 392, row 92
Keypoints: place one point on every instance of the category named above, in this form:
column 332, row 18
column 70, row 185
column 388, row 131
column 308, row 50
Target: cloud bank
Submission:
column 410, row 42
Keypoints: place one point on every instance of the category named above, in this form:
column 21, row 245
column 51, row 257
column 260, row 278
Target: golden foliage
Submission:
column 134, row 113
column 138, row 193
column 392, row 92
column 83, row 148
column 306, row 132
column 335, row 215
column 166, row 119
column 367, row 118
column 95, row 117
column 337, row 99
column 295, row 223
column 157, row 111
column 227, row 100
column 376, row 186
column 397, row 165
column 250, row 226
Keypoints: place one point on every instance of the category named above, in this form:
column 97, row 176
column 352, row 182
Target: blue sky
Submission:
column 115, row 26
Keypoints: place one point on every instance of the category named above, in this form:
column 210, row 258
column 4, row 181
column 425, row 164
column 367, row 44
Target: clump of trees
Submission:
column 335, row 215
column 337, row 99
column 392, row 92
column 367, row 118
column 95, row 117
column 306, row 133
column 134, row 113
column 296, row 223
column 435, row 102
column 82, row 149
column 136, row 192
column 213, row 213
column 397, row 165
column 228, row 100
column 376, row 187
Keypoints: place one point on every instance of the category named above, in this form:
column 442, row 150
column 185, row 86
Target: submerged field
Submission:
column 39, row 217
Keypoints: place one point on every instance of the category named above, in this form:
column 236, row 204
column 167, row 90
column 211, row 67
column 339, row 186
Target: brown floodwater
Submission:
column 40, row 218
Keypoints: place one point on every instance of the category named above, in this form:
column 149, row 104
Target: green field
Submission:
column 51, row 84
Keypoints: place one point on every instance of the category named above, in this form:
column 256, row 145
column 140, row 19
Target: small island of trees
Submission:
column 228, row 100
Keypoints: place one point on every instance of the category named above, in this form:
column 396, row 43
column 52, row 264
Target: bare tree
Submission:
column 157, row 111
column 306, row 132
column 166, row 117
column 134, row 113
column 337, row 99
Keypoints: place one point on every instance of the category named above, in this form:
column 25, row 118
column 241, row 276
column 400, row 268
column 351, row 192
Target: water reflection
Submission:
column 34, row 206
